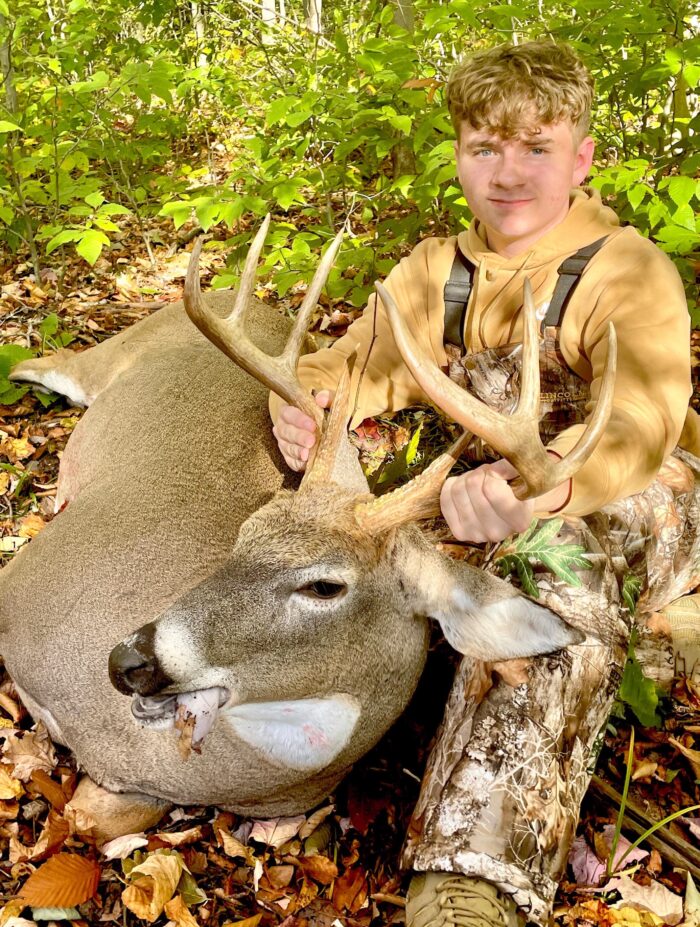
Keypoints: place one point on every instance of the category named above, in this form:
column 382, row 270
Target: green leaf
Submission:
column 278, row 109
column 11, row 392
column 91, row 244
column 296, row 118
column 49, row 325
column 638, row 692
column 4, row 8
column 631, row 587
column 538, row 547
column 287, row 193
column 403, row 459
column 7, row 126
column 98, row 81
column 102, row 222
column 63, row 238
column 11, row 354
column 636, row 195
column 94, row 199
column 682, row 189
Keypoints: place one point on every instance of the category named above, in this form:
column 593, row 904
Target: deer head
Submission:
column 320, row 616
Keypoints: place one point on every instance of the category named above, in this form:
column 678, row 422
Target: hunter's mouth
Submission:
column 159, row 712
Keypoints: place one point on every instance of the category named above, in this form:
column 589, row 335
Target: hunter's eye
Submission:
column 323, row 589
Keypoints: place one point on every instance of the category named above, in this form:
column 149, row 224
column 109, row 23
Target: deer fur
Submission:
column 182, row 534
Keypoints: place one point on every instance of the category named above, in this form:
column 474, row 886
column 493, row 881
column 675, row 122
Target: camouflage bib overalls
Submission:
column 501, row 793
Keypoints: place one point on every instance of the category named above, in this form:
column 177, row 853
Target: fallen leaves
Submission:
column 28, row 751
column 63, row 881
column 152, row 884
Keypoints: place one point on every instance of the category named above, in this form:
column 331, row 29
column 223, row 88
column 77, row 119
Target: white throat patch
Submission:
column 307, row 734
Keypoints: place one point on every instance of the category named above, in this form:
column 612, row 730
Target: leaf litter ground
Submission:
column 336, row 865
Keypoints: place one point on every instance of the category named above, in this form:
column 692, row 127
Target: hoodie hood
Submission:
column 587, row 220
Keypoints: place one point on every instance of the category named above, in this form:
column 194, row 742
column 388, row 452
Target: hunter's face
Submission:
column 519, row 187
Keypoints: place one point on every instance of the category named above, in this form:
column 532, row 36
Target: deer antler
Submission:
column 228, row 334
column 516, row 436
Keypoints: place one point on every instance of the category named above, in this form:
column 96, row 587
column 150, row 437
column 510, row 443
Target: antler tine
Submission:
column 565, row 468
column 276, row 373
column 320, row 465
column 516, row 436
column 447, row 396
column 296, row 339
column 418, row 499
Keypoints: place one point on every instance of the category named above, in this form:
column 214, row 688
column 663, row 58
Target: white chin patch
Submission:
column 307, row 734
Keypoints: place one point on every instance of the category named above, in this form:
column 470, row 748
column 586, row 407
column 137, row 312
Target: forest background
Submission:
column 216, row 112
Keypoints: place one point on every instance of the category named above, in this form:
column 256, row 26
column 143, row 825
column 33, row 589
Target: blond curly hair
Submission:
column 512, row 88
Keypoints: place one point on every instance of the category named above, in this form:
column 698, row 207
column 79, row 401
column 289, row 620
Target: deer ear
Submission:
column 483, row 616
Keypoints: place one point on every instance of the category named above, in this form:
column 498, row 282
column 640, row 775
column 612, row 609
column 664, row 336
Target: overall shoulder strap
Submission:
column 569, row 271
column 457, row 290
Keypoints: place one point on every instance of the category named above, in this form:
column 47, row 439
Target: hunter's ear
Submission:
column 485, row 617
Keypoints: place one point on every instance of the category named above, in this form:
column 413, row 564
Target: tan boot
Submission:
column 447, row 899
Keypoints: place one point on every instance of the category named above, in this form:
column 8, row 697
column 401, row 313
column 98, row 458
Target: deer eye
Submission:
column 323, row 589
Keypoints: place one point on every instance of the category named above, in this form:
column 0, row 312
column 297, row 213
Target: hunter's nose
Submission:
column 134, row 667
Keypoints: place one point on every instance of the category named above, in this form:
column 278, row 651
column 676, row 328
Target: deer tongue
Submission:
column 202, row 705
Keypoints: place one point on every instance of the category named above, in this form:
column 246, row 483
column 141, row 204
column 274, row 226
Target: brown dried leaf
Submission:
column 234, row 848
column 9, row 810
column 153, row 884
column 179, row 838
column 122, row 847
column 9, row 786
column 179, row 913
column 693, row 756
column 350, row 890
column 61, row 882
column 320, row 868
column 11, row 707
column 52, row 836
column 29, row 750
column 49, row 788
column 280, row 876
column 312, row 822
column 30, row 526
column 247, row 922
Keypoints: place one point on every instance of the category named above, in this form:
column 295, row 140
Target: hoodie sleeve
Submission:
column 635, row 286
column 381, row 382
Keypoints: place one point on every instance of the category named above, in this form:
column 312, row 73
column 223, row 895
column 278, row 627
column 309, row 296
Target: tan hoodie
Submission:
column 629, row 281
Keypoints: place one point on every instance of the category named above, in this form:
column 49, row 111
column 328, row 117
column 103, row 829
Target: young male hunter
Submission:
column 501, row 796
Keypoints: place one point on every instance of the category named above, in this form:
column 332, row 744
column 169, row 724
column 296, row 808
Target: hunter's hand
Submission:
column 480, row 505
column 296, row 432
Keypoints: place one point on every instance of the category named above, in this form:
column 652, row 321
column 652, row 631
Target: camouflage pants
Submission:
column 516, row 749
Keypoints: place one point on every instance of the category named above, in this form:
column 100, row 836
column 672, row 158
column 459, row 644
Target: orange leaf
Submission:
column 320, row 868
column 49, row 788
column 62, row 882
column 350, row 890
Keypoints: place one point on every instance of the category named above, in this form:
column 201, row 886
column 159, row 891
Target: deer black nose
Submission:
column 134, row 667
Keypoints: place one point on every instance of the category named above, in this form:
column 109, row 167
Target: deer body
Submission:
column 288, row 629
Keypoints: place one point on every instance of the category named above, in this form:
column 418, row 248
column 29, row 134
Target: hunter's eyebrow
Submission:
column 537, row 141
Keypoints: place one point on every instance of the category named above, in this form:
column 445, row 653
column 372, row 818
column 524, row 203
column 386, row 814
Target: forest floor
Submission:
column 338, row 865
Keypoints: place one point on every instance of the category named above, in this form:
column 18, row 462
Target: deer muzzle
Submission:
column 134, row 667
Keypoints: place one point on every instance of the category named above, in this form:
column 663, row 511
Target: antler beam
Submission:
column 516, row 436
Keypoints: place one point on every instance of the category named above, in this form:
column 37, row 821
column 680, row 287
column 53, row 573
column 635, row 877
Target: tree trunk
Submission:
column 268, row 15
column 199, row 31
column 312, row 16
column 12, row 138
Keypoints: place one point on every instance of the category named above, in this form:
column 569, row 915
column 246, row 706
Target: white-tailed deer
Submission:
column 290, row 625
